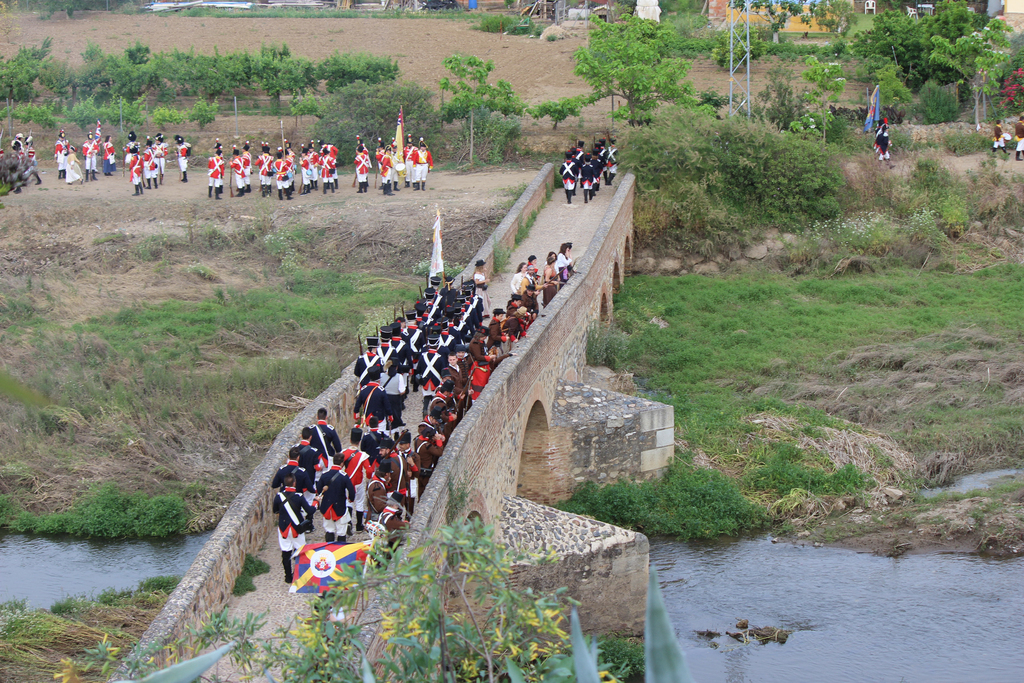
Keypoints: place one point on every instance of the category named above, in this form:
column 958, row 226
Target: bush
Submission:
column 370, row 111
column 496, row 136
column 786, row 470
column 779, row 103
column 718, row 178
column 687, row 502
column 623, row 656
column 111, row 513
column 720, row 53
column 499, row 23
column 203, row 113
column 938, row 104
column 165, row 116
column 340, row 70
column 962, row 143
column 606, row 345
column 160, row 584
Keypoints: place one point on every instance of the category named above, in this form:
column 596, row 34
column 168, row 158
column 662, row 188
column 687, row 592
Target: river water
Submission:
column 856, row 617
column 43, row 569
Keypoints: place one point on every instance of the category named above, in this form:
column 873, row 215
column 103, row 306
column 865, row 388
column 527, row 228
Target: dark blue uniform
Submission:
column 372, row 400
column 330, row 435
column 302, row 480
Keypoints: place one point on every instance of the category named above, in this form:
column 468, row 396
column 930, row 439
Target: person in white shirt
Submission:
column 516, row 283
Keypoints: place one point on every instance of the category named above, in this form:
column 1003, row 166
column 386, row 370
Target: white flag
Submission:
column 437, row 255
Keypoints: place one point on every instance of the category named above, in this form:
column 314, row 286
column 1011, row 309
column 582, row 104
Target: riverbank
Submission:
column 814, row 396
column 33, row 642
column 988, row 521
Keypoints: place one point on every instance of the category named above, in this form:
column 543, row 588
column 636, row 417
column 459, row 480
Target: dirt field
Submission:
column 538, row 70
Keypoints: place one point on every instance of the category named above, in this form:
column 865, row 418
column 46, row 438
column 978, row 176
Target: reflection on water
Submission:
column 42, row 569
column 856, row 617
column 972, row 482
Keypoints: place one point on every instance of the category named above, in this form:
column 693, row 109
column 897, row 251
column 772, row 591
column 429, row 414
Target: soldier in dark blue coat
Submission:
column 369, row 360
column 302, row 481
column 324, row 437
column 336, row 495
column 372, row 401
column 309, row 460
column 292, row 512
column 370, row 443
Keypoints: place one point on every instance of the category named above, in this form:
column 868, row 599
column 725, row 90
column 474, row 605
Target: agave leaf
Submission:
column 189, row 670
column 515, row 674
column 665, row 662
column 18, row 391
column 582, row 656
column 368, row 676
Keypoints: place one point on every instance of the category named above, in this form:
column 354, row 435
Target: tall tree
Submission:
column 632, row 59
column 977, row 57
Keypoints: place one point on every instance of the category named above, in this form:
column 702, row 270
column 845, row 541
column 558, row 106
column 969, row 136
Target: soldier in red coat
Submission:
column 215, row 171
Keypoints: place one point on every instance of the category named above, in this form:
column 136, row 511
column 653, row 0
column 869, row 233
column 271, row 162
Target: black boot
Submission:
column 209, row 192
column 219, row 192
column 325, row 188
column 328, row 537
column 334, row 186
column 407, row 181
column 280, row 195
column 586, row 196
column 156, row 183
column 359, row 521
column 568, row 196
column 140, row 187
column 136, row 191
column 94, row 174
column 286, row 562
column 184, row 176
column 288, row 194
column 612, row 179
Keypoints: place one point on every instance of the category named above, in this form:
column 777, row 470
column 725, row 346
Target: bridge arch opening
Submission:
column 605, row 309
column 543, row 466
column 616, row 278
column 629, row 249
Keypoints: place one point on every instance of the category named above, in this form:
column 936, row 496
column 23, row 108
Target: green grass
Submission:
column 751, row 343
column 861, row 24
column 253, row 566
column 152, row 379
column 686, row 502
column 728, row 336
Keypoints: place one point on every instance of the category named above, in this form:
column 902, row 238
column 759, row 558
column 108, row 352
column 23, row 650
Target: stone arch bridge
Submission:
column 536, row 431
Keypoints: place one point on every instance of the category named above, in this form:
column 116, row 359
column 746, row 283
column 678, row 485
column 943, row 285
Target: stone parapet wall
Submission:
column 604, row 567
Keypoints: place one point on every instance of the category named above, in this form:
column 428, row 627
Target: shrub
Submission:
column 718, row 178
column 370, row 111
column 962, row 143
column 111, row 513
column 720, row 53
column 953, row 213
column 561, row 109
column 606, row 345
column 340, row 70
column 938, row 104
column 623, row 656
column 165, row 116
column 686, row 502
column 779, row 102
column 203, row 113
column 160, row 584
column 500, row 23
column 786, row 470
column 890, row 83
column 496, row 136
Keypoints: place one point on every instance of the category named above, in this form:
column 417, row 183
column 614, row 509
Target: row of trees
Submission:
column 138, row 72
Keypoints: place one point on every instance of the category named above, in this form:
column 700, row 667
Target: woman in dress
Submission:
column 516, row 283
column 72, row 171
column 564, row 262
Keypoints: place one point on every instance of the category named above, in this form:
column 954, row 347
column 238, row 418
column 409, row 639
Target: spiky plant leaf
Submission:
column 584, row 658
column 189, row 670
column 665, row 662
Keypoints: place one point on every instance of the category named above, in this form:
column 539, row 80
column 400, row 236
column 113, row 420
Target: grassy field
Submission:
column 928, row 358
column 148, row 385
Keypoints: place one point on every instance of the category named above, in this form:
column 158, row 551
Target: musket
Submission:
column 231, row 184
column 360, row 340
column 421, row 293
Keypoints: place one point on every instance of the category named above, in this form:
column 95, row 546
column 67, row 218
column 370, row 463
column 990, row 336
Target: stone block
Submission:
column 614, row 422
column 665, row 437
column 655, row 458
column 660, row 418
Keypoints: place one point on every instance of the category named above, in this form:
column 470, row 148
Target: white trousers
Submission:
column 292, row 544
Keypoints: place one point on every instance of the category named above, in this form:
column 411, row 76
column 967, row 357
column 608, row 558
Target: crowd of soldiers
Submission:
column 442, row 351
column 313, row 167
column 316, row 167
column 583, row 170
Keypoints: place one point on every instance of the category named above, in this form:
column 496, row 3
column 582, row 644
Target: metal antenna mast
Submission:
column 739, row 37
